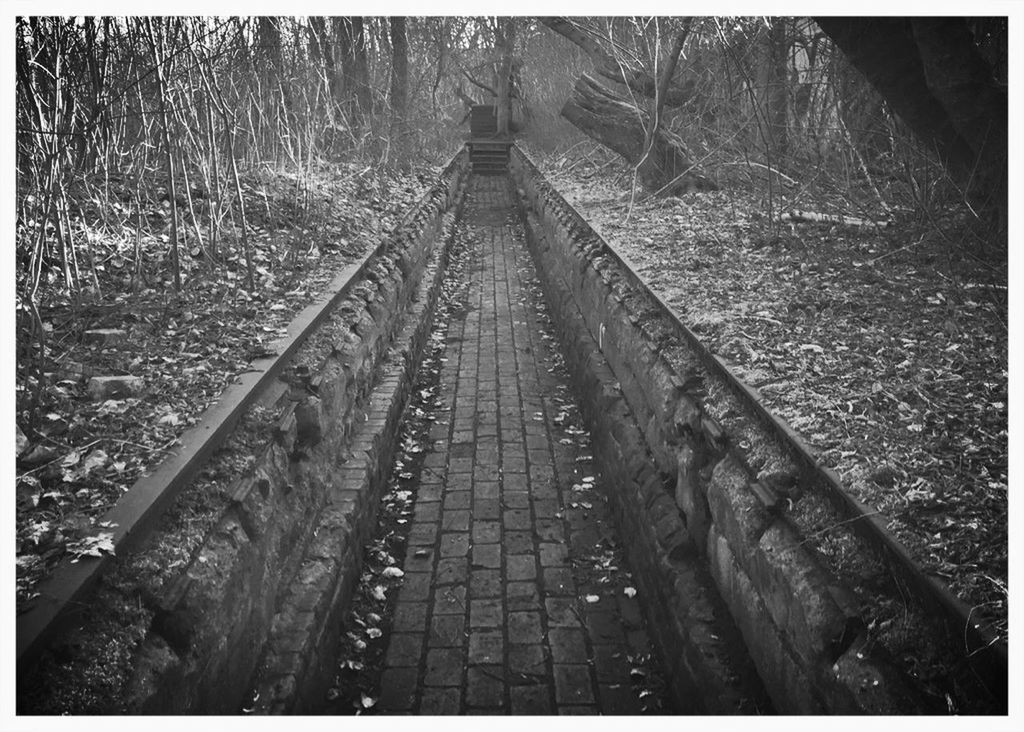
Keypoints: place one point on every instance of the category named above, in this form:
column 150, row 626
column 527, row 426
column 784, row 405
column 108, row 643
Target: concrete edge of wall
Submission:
column 800, row 627
column 305, row 492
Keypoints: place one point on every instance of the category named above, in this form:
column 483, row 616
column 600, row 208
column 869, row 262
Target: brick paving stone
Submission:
column 515, row 482
column 486, row 532
column 486, row 613
column 425, row 512
column 567, row 645
column 485, row 686
column 457, row 499
column 521, row 567
column 554, row 555
column 488, row 616
column 562, row 612
column 572, row 684
column 558, row 581
column 486, row 508
column 455, row 520
column 487, row 556
column 517, row 518
column 549, row 530
column 452, row 571
column 525, row 627
column 458, row 483
column 486, row 472
column 518, row 542
column 397, row 689
column 450, row 600
column 454, row 544
column 410, row 617
column 522, row 596
column 440, row 701
column 443, row 667
column 526, row 661
column 446, row 631
column 516, row 500
column 415, row 587
column 530, row 699
column 543, row 489
column 404, row 649
column 428, row 493
column 485, row 583
column 486, row 489
column 423, row 534
column 513, row 464
column 486, row 646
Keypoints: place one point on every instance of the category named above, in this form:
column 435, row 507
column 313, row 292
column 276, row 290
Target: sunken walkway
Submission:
column 491, row 617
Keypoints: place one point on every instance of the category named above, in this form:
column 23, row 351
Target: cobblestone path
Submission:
column 514, row 598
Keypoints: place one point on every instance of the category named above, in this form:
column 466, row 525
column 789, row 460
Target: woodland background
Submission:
column 190, row 181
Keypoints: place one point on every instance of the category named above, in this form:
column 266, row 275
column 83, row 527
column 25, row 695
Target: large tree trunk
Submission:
column 614, row 122
column 778, row 85
column 399, row 88
column 505, row 47
column 933, row 78
column 355, row 69
column 976, row 106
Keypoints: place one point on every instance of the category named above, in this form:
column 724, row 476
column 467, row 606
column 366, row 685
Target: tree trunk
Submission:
column 614, row 122
column 778, row 85
column 933, row 78
column 644, row 166
column 399, row 89
column 963, row 83
column 505, row 47
column 158, row 56
column 355, row 68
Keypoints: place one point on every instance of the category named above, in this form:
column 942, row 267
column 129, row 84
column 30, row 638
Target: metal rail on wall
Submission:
column 983, row 649
column 135, row 514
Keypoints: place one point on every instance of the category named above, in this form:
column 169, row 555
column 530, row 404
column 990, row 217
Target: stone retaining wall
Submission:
column 709, row 488
column 284, row 508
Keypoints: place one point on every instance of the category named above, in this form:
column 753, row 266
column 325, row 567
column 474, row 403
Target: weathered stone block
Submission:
column 104, row 337
column 790, row 689
column 740, row 517
column 114, row 387
column 796, row 593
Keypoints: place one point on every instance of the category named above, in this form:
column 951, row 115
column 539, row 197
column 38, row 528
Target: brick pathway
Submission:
column 509, row 535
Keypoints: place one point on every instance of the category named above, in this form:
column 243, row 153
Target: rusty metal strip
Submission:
column 137, row 511
column 984, row 650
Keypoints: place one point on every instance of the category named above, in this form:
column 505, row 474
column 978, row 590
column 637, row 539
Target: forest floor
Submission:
column 886, row 349
column 79, row 455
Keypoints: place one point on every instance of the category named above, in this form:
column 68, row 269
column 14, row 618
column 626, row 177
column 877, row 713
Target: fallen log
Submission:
column 621, row 70
column 796, row 216
column 616, row 123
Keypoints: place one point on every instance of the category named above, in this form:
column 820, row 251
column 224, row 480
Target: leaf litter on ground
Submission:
column 891, row 361
column 187, row 347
